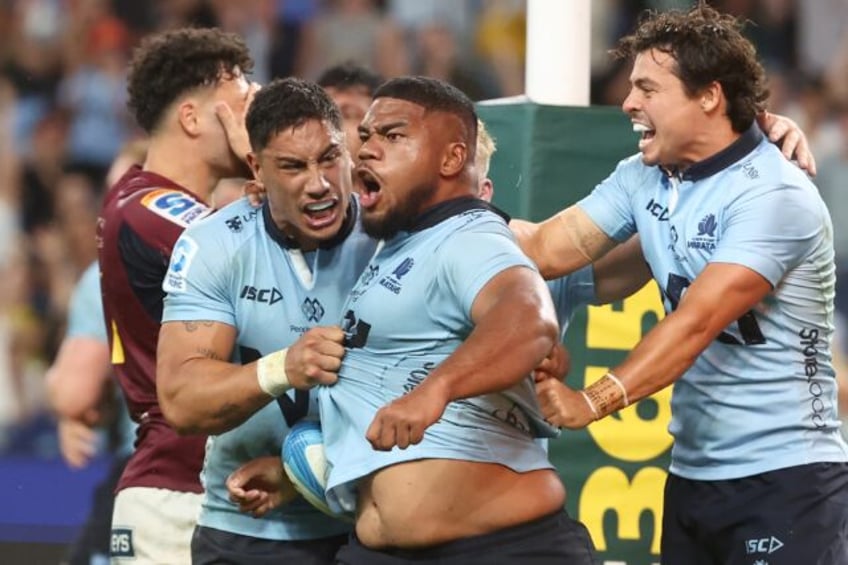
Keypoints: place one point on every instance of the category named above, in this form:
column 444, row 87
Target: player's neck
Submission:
column 180, row 165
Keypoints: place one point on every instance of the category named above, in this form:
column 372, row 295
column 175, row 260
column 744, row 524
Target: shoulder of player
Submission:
column 632, row 173
column 236, row 221
column 477, row 230
column 163, row 206
column 766, row 173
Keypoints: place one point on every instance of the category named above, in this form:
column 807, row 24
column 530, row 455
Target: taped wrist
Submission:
column 271, row 373
column 606, row 396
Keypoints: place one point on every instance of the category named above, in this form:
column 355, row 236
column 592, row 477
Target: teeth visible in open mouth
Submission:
column 319, row 206
column 640, row 128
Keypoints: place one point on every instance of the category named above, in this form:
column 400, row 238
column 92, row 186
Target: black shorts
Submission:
column 792, row 516
column 210, row 546
column 554, row 539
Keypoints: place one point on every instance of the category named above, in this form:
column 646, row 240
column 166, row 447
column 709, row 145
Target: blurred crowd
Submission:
column 63, row 117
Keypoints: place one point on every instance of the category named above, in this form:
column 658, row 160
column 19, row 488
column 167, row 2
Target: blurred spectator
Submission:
column 93, row 92
column 832, row 179
column 352, row 30
column 500, row 40
column 439, row 56
column 412, row 15
column 172, row 14
column 822, row 32
column 40, row 172
column 351, row 87
column 253, row 20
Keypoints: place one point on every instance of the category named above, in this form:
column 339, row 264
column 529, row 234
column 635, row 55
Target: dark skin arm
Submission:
column 496, row 355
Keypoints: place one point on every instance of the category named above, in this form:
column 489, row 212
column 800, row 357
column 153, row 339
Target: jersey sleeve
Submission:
column 473, row 257
column 85, row 312
column 609, row 204
column 771, row 230
column 197, row 284
column 571, row 292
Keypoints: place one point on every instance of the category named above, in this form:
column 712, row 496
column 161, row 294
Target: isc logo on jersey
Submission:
column 181, row 258
column 175, row 206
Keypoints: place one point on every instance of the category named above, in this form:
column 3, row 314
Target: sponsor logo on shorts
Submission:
column 122, row 543
column 175, row 206
column 763, row 545
column 181, row 258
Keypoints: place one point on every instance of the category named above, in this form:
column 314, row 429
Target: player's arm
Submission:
column 621, row 272
column 497, row 354
column 721, row 294
column 200, row 391
column 76, row 379
column 563, row 243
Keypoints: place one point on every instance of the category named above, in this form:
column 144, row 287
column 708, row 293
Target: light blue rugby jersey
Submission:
column 85, row 310
column 408, row 312
column 763, row 395
column 86, row 319
column 570, row 293
column 237, row 268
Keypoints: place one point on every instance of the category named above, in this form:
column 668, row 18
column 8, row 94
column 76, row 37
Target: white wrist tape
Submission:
column 591, row 405
column 617, row 381
column 271, row 373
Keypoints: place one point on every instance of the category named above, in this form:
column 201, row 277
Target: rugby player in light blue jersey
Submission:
column 246, row 290
column 433, row 419
column 741, row 245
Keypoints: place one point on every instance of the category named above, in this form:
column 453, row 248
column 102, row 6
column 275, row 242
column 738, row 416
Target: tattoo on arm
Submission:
column 194, row 326
column 209, row 354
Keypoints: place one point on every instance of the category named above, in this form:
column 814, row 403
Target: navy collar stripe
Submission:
column 731, row 154
column 444, row 210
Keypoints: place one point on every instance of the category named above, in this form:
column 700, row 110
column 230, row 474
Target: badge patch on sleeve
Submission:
column 122, row 543
column 175, row 206
column 181, row 258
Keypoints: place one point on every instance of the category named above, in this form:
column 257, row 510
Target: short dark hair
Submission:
column 286, row 103
column 707, row 46
column 434, row 96
column 169, row 64
column 350, row 75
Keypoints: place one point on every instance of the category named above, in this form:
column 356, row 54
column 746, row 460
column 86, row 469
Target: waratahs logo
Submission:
column 707, row 226
column 392, row 282
column 706, row 238
column 404, row 267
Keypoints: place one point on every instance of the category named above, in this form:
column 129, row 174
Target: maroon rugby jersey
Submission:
column 142, row 217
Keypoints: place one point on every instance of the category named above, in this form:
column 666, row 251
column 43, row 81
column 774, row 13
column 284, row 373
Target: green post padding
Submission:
column 548, row 158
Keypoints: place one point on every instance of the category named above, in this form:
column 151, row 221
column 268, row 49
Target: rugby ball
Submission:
column 305, row 463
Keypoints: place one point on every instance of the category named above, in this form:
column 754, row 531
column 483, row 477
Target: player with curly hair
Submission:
column 188, row 89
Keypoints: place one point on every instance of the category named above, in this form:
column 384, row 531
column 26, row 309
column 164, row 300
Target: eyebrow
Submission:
column 645, row 82
column 382, row 129
column 286, row 159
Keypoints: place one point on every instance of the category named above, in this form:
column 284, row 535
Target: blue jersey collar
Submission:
column 287, row 242
column 453, row 207
column 736, row 151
